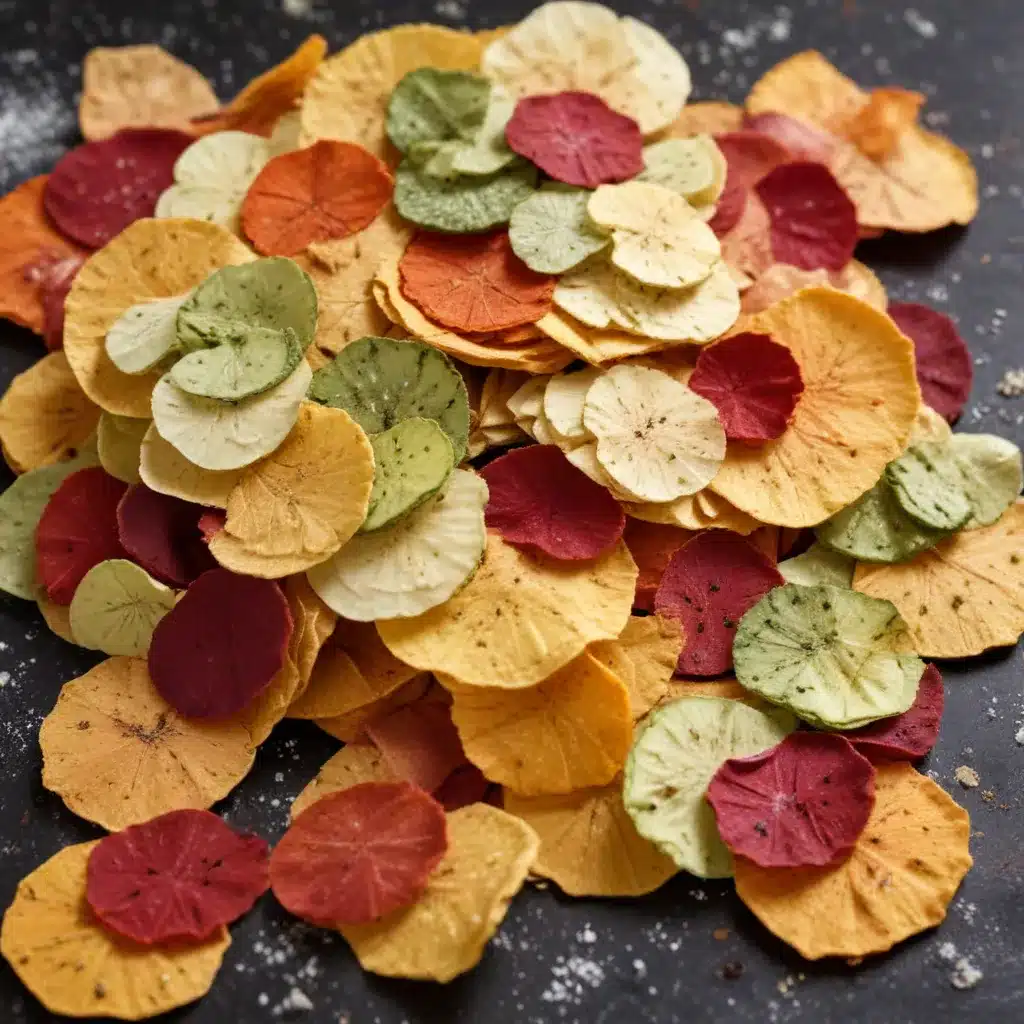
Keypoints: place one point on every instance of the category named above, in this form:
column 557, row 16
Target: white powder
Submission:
column 453, row 10
column 295, row 1002
column 964, row 974
column 920, row 24
column 1012, row 384
column 33, row 127
column 297, row 8
column 570, row 977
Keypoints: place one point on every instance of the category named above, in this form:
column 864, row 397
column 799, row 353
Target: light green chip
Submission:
column 991, row 475
column 672, row 761
column 412, row 461
column 116, row 607
column 551, row 231
column 145, row 334
column 380, row 382
column 837, row 658
column 819, row 564
column 686, row 166
column 430, row 105
column 486, row 153
column 929, row 487
column 119, row 445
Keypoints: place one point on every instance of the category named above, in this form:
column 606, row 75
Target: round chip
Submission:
column 221, row 644
column 800, row 804
column 708, row 585
column 781, row 280
column 551, row 232
column 916, row 842
column 74, row 966
column 672, row 761
column 359, row 854
column 53, row 278
column 836, row 658
column 819, row 564
column 694, row 168
column 929, row 487
column 540, row 500
column 145, row 334
column 652, row 546
column 431, row 106
column 420, row 742
column 164, row 469
column 98, row 189
column 564, row 397
column 991, row 473
column 753, row 382
column 655, row 438
column 751, row 156
column 181, row 876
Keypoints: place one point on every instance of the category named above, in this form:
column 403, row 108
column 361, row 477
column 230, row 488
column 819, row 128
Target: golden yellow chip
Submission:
column 76, row 967
column 781, row 280
column 596, row 345
column 589, row 845
column 348, row 96
column 875, row 129
column 349, row 726
column 898, row 881
column 963, row 596
column 119, row 445
column 701, row 511
column 57, row 617
column 140, row 87
column 45, row 416
column 354, row 764
column 260, row 717
column 163, row 468
column 445, row 932
column 712, row 117
column 519, row 619
column 118, row 754
column 150, row 259
column 727, row 689
column 855, row 414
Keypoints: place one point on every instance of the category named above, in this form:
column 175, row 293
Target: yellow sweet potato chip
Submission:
column 898, row 880
column 876, row 128
column 57, row 617
column 119, row 445
column 781, row 280
column 163, row 468
column 711, row 117
column 596, row 345
column 77, row 968
column 260, row 717
column 701, row 511
column 348, row 727
column 445, row 932
column 354, row 764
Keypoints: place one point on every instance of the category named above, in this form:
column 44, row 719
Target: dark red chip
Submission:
column 710, row 583
column 419, row 742
column 162, row 534
column 909, row 736
column 220, row 646
column 98, row 189
column 751, row 156
column 53, row 274
column 804, row 141
column 77, row 530
column 652, row 546
column 730, row 206
column 801, row 804
column 178, row 877
column 753, row 382
column 944, row 368
column 359, row 854
column 813, row 220
column 466, row 785
column 577, row 138
column 211, row 522
column 540, row 499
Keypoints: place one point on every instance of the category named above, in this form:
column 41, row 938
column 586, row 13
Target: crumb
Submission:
column 967, row 777
column 721, row 934
column 1012, row 384
column 964, row 974
column 988, row 796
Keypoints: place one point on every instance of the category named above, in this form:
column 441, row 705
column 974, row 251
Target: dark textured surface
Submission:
column 652, row 961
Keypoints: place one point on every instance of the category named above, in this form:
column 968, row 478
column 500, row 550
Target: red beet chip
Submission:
column 577, row 138
column 162, row 534
column 53, row 274
column 909, row 736
column 729, row 209
column 944, row 368
column 220, row 646
column 177, row 877
column 540, row 499
column 804, row 141
column 98, row 189
column 709, row 584
column 77, row 530
column 753, row 382
column 359, row 854
column 211, row 522
column 419, row 742
column 751, row 156
column 814, row 221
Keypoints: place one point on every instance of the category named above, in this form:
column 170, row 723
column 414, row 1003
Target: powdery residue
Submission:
column 34, row 128
column 571, row 977
column 920, row 24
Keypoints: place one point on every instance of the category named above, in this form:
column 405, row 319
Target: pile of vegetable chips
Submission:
column 535, row 434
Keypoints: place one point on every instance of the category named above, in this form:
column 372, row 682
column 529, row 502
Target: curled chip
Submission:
column 708, row 585
column 419, row 742
column 696, row 512
column 98, row 189
column 991, row 473
column 540, row 500
column 221, row 644
column 74, row 966
column 413, row 565
column 117, row 754
column 359, row 854
column 77, row 530
column 712, row 117
column 803, row 140
column 898, row 880
column 928, row 485
column 331, row 190
column 575, row 137
column 432, row 106
column 963, row 596
column 569, row 731
column 671, row 763
column 564, row 399
column 800, row 804
column 355, row 763
column 519, row 619
column 694, row 168
column 473, row 283
column 145, row 334
column 944, row 366
column 551, row 232
column 489, row 856
column 819, row 564
column 751, row 156
column 181, row 876
column 652, row 546
column 753, row 382
column 589, row 846
column 164, row 469
column 836, row 658
column 45, row 417
column 119, row 445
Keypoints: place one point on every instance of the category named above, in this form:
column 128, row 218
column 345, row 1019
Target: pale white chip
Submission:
column 551, row 231
column 164, row 469
column 213, row 175
column 694, row 168
column 656, row 438
column 563, row 402
column 540, row 430
column 528, row 401
column 228, row 435
column 144, row 334
column 499, row 387
column 417, row 564
column 584, row 458
column 657, row 237
column 119, row 444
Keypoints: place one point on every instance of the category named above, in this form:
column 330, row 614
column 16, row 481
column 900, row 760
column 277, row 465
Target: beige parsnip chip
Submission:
column 445, row 932
column 117, row 754
column 700, row 511
column 584, row 458
column 711, row 117
column 260, row 717
column 859, row 402
column 77, row 968
column 781, row 280
column 519, row 619
column 564, row 398
column 119, row 444
column 353, row 765
column 348, row 727
column 150, row 259
column 163, row 468
column 594, row 345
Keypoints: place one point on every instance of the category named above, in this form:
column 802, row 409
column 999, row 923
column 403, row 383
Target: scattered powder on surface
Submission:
column 297, row 8
column 34, row 126
column 964, row 974
column 453, row 10
column 967, row 777
column 295, row 1002
column 1012, row 383
column 920, row 24
column 570, row 978
column 1020, row 736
